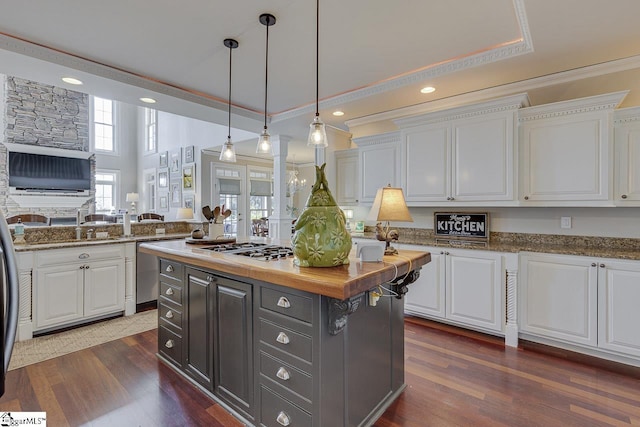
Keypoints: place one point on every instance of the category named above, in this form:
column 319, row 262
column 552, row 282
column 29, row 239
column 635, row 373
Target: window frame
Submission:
column 150, row 128
column 92, row 130
column 116, row 189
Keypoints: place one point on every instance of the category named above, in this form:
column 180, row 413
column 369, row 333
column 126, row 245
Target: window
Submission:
column 261, row 194
column 103, row 128
column 150, row 193
column 151, row 130
column 229, row 185
column 106, row 194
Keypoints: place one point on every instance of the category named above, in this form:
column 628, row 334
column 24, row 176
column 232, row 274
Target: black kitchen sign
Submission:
column 461, row 225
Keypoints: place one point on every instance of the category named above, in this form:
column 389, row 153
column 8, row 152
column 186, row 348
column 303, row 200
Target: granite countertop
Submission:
column 600, row 247
column 341, row 282
column 94, row 241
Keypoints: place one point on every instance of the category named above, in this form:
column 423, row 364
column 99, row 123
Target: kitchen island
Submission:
column 278, row 344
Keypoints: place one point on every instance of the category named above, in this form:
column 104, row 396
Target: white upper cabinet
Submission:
column 567, row 152
column 627, row 152
column 379, row 161
column 347, row 177
column 462, row 156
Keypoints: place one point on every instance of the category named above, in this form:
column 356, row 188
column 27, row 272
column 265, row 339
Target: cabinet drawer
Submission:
column 171, row 292
column 275, row 411
column 170, row 344
column 291, row 305
column 286, row 375
column 170, row 314
column 171, row 269
column 56, row 257
column 285, row 339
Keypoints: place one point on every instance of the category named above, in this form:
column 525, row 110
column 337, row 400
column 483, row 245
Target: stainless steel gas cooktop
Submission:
column 261, row 251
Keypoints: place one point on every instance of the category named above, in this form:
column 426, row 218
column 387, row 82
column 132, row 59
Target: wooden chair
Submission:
column 150, row 215
column 100, row 218
column 260, row 227
column 29, row 219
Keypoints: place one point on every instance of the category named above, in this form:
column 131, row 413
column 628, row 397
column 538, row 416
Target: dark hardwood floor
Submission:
column 454, row 378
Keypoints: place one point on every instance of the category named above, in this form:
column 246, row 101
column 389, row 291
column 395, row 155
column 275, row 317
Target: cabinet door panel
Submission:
column 482, row 166
column 234, row 348
column 104, row 288
column 427, row 295
column 567, row 161
column 379, row 166
column 628, row 163
column 474, row 290
column 347, row 178
column 560, row 298
column 58, row 295
column 618, row 297
column 426, row 161
column 199, row 347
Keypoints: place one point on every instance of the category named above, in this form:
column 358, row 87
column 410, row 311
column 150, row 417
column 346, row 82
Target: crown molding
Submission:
column 383, row 138
column 607, row 101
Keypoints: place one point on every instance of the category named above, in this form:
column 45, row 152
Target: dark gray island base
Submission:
column 279, row 356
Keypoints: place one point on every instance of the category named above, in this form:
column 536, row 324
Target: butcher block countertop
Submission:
column 341, row 282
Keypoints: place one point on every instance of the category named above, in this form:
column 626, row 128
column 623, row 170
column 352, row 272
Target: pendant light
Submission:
column 264, row 141
column 317, row 131
column 228, row 153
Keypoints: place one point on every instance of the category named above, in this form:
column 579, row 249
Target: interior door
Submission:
column 229, row 188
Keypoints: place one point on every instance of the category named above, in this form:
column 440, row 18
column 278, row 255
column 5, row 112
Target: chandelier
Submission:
column 294, row 184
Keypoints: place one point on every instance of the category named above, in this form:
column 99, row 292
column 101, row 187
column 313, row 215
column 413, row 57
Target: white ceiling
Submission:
column 375, row 55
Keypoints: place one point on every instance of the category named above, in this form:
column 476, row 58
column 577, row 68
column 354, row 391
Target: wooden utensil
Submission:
column 206, row 211
column 216, row 214
column 226, row 214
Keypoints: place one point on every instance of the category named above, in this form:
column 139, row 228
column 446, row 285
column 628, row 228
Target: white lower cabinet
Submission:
column 581, row 300
column 465, row 287
column 74, row 284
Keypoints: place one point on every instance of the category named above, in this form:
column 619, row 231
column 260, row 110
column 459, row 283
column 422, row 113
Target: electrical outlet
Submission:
column 565, row 222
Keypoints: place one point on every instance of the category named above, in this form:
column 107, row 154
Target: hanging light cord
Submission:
column 266, row 74
column 317, row 52
column 229, row 121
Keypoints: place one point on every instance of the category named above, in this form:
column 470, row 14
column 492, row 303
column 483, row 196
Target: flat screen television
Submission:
column 48, row 173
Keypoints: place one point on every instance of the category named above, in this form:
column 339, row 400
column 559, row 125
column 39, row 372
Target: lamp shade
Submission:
column 184, row 213
column 389, row 205
column 133, row 197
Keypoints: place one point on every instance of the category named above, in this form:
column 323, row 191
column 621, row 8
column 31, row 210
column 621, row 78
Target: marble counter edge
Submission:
column 93, row 242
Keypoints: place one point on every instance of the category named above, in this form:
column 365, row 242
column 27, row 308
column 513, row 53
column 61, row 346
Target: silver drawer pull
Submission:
column 284, row 302
column 84, row 255
column 168, row 292
column 283, row 338
column 169, row 268
column 169, row 314
column 169, row 344
column 283, row 374
column 283, row 419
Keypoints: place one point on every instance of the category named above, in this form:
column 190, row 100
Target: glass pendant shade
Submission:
column 264, row 142
column 228, row 153
column 317, row 133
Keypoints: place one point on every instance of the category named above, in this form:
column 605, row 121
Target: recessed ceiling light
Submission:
column 338, row 113
column 428, row 89
column 71, row 81
column 148, row 100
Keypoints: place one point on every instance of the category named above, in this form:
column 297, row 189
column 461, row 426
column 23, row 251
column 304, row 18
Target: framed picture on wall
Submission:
column 175, row 194
column 163, row 202
column 189, row 202
column 189, row 154
column 174, row 163
column 188, row 183
column 163, row 178
column 164, row 159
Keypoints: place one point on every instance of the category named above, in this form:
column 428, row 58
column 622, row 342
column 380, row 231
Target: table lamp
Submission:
column 133, row 198
column 184, row 213
column 389, row 205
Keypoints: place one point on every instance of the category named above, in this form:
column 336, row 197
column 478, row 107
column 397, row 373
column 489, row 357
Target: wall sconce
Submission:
column 133, row 198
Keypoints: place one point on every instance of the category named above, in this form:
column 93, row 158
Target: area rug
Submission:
column 54, row 345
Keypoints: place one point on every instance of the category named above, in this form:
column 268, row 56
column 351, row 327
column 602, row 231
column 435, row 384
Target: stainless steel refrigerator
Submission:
column 8, row 297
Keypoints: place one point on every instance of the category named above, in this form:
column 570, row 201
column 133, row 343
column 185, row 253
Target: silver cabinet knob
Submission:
column 169, row 344
column 169, row 268
column 168, row 292
column 283, row 338
column 593, row 264
column 84, row 255
column 283, row 374
column 283, row 419
column 169, row 314
column 602, row 265
column 526, row 197
column 284, row 302
column 624, row 196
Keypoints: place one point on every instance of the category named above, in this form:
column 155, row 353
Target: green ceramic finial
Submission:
column 321, row 238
